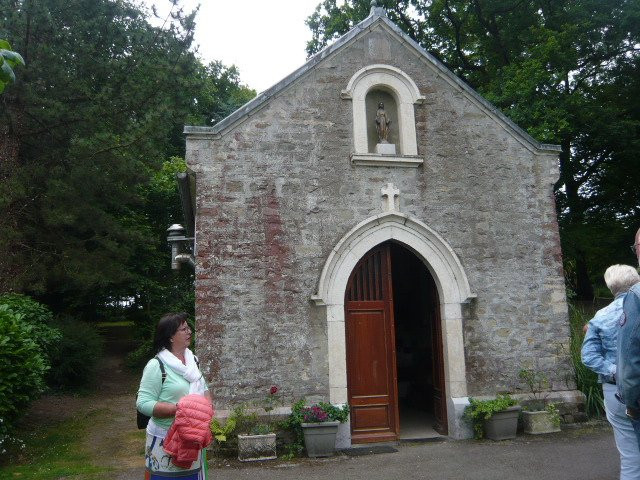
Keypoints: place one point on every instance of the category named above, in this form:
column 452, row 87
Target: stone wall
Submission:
column 276, row 192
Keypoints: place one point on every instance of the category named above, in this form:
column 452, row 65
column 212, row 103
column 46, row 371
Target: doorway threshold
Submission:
column 416, row 426
column 438, row 438
column 358, row 451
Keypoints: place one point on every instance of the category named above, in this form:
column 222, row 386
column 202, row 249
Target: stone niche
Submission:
column 373, row 98
column 399, row 93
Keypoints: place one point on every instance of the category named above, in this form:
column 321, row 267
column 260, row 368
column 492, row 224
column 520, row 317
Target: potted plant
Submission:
column 496, row 419
column 538, row 415
column 319, row 425
column 258, row 441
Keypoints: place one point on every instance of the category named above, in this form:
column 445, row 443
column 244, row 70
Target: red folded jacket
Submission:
column 190, row 431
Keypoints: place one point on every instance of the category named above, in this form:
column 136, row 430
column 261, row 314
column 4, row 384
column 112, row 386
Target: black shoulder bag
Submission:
column 143, row 419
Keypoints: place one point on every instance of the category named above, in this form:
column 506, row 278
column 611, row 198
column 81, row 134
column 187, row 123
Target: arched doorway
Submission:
column 453, row 292
column 395, row 368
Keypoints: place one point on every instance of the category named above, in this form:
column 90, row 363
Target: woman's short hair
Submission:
column 620, row 278
column 167, row 327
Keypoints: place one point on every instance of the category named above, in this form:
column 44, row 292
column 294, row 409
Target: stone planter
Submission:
column 539, row 422
column 256, row 447
column 502, row 425
column 320, row 438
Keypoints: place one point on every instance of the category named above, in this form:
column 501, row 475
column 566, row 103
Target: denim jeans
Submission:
column 636, row 428
column 624, row 432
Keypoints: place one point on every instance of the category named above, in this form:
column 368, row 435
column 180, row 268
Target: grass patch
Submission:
column 53, row 452
column 121, row 323
column 136, row 440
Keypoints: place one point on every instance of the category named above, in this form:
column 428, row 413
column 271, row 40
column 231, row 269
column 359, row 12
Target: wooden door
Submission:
column 371, row 358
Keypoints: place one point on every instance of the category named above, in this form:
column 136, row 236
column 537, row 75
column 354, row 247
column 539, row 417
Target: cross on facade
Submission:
column 390, row 192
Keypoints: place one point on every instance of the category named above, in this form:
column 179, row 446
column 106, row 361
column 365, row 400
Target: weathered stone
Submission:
column 276, row 191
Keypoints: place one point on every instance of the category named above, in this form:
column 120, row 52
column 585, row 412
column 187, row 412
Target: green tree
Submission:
column 100, row 106
column 220, row 95
column 567, row 72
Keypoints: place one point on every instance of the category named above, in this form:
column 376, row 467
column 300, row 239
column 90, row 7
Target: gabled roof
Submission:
column 377, row 16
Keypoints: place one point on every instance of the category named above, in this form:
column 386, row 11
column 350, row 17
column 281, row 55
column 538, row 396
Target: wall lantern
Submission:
column 181, row 246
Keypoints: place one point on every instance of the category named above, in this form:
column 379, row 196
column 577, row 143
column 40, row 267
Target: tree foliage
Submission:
column 74, row 365
column 566, row 71
column 86, row 132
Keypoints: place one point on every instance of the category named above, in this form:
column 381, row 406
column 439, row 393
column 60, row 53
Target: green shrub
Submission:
column 75, row 361
column 480, row 410
column 22, row 367
column 223, row 430
column 553, row 411
column 32, row 311
column 586, row 380
column 36, row 315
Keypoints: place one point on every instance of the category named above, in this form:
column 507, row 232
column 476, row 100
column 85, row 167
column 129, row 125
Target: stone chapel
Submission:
column 371, row 230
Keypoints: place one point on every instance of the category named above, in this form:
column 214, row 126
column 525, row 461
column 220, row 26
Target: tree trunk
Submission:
column 574, row 220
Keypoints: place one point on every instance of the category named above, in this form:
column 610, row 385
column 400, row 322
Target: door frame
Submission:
column 453, row 293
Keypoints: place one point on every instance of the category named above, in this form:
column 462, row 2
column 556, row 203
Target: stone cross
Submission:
column 391, row 193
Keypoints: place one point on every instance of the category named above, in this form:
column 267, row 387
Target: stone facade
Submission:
column 276, row 191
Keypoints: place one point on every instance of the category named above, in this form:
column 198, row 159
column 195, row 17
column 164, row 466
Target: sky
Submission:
column 265, row 39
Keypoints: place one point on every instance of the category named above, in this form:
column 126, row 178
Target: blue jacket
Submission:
column 600, row 342
column 628, row 376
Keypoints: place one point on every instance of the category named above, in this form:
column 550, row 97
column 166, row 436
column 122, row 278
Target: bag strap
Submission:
column 164, row 373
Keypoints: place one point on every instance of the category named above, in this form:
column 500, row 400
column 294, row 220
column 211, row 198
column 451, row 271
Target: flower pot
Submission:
column 256, row 447
column 320, row 438
column 502, row 425
column 539, row 422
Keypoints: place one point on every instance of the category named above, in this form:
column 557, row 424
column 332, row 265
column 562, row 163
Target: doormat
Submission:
column 358, row 452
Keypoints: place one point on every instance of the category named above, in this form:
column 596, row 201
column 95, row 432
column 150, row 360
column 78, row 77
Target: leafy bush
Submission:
column 36, row 315
column 76, row 358
column 22, row 367
column 480, row 410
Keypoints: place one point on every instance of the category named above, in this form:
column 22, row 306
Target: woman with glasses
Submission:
column 172, row 374
column 599, row 354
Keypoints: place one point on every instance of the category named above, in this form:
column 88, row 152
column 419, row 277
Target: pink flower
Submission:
column 273, row 390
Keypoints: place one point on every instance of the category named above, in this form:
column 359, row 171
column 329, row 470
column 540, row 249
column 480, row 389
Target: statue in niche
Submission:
column 382, row 124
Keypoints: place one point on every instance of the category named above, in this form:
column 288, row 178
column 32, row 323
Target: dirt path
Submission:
column 114, row 441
